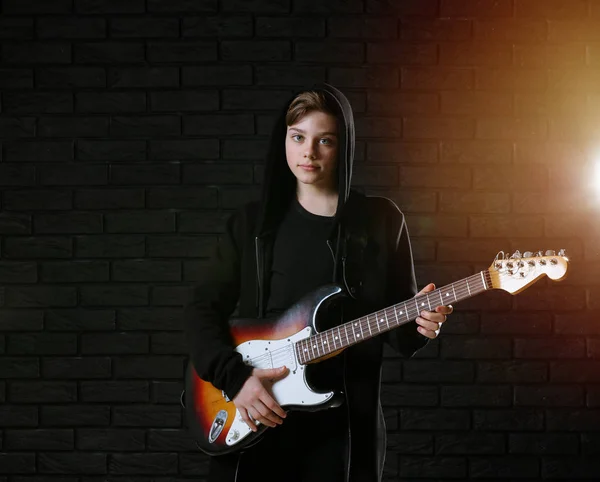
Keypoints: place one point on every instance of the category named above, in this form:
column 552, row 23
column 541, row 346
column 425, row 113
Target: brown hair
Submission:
column 306, row 102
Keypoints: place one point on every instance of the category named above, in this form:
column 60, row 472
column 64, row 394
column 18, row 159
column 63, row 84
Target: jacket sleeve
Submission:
column 212, row 302
column 402, row 285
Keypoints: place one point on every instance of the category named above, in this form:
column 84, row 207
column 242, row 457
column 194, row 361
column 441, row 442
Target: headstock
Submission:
column 516, row 272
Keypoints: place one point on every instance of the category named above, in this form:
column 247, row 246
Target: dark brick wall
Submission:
column 131, row 128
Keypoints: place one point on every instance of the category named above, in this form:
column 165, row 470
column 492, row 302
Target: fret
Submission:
column 347, row 337
column 386, row 319
column 360, row 326
column 338, row 336
column 468, row 289
column 354, row 333
column 483, row 280
column 441, row 299
column 455, row 298
column 369, row 325
column 396, row 314
column 428, row 302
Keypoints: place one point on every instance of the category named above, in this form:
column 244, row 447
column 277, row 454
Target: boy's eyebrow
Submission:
column 322, row 133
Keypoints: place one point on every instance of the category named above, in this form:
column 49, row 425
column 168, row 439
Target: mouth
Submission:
column 308, row 167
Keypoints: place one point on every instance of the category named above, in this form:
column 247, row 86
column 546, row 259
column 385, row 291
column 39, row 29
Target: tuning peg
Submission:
column 527, row 254
column 516, row 255
column 539, row 254
column 562, row 252
column 550, row 252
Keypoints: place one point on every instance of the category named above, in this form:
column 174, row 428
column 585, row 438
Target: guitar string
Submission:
column 279, row 355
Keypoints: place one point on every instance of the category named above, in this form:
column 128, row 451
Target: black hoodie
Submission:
column 372, row 261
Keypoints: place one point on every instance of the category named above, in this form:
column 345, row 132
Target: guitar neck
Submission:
column 347, row 334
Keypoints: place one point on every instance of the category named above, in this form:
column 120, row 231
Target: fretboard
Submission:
column 347, row 334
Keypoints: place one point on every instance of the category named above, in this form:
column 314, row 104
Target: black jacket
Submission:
column 372, row 260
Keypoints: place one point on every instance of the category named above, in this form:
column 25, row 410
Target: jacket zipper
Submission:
column 344, row 374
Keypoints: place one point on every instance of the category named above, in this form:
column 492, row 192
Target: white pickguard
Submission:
column 291, row 390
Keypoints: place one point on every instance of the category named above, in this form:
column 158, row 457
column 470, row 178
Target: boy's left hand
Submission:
column 431, row 321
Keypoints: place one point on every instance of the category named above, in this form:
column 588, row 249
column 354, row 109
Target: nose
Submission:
column 310, row 151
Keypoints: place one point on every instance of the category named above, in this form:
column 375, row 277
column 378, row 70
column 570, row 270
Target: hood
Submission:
column 279, row 184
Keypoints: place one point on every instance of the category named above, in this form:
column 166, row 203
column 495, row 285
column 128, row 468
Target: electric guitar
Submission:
column 294, row 341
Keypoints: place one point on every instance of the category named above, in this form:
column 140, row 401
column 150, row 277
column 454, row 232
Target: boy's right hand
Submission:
column 255, row 402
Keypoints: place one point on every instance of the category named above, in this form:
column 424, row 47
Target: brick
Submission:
column 36, row 53
column 559, row 56
column 168, row 344
column 255, row 99
column 572, row 127
column 73, row 127
column 19, row 367
column 515, row 323
column 329, row 51
column 14, row 28
column 213, row 124
column 290, row 27
column 434, row 419
column 406, row 153
column 260, row 6
column 217, row 75
column 503, row 225
column 157, row 6
column 124, row 295
column 476, row 103
column 74, row 271
column 202, row 222
column 42, row 343
column 543, row 444
column 555, row 298
column 189, row 51
column 91, row 7
column 505, row 467
column 99, row 439
column 70, row 27
column 146, row 126
column 434, row 78
column 77, row 367
column 109, row 199
column 144, row 174
column 79, row 320
column 166, row 391
column 512, row 128
column 519, row 30
column 400, row 103
column 70, row 175
column 14, row 223
column 476, row 396
column 169, row 296
column 437, row 225
column 433, row 467
column 549, row 153
column 476, row 8
column 37, row 247
column 144, row 27
column 38, row 103
column 146, row 270
column 576, row 324
column 438, row 128
column 554, row 396
column 592, row 397
column 469, row 443
column 22, row 320
column 375, row 175
column 436, row 29
column 73, row 463
column 109, row 246
column 109, row 52
column 442, row 177
column 114, row 391
column 166, row 319
column 184, row 100
column 401, row 53
column 563, row 103
column 18, row 416
column 217, row 27
column 240, row 150
column 194, row 464
column 531, row 179
column 38, row 200
column 516, row 419
column 182, row 198
column 511, row 79
column 39, row 439
column 589, row 444
column 466, row 347
column 476, row 152
column 16, row 78
column 560, row 9
column 36, row 7
column 18, row 463
column 184, row 149
column 355, row 77
column 393, row 395
column 140, row 222
column 255, row 50
column 572, row 420
column 171, row 440
column 110, row 102
column 236, row 197
column 70, row 77
column 145, row 463
column 368, row 28
column 75, row 415
column 410, row 7
column 110, row 150
column 577, row 466
column 471, row 54
column 143, row 77
column 549, row 348
column 575, row 371
column 43, row 392
column 474, row 202
column 573, row 79
column 40, row 296
column 39, row 151
column 145, row 416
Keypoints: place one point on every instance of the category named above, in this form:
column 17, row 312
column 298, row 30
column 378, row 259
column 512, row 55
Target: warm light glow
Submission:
column 596, row 178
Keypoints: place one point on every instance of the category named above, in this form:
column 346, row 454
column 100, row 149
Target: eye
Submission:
column 297, row 137
column 325, row 141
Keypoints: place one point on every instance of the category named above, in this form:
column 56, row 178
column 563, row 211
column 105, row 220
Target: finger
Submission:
column 270, row 417
column 433, row 316
column 446, row 310
column 426, row 289
column 428, row 325
column 270, row 402
column 272, row 374
column 428, row 333
column 256, row 417
column 246, row 418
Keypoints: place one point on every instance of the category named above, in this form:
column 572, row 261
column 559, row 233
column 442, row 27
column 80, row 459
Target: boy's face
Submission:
column 311, row 148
